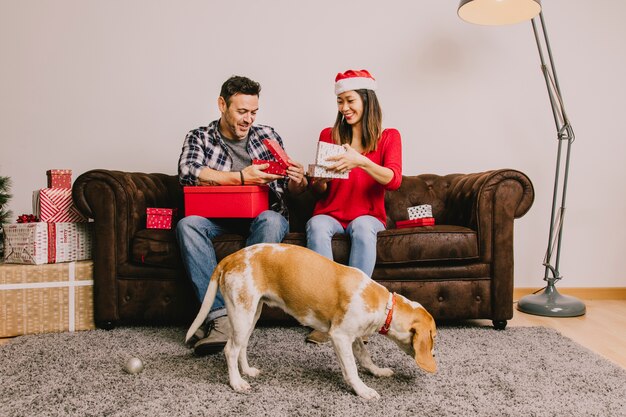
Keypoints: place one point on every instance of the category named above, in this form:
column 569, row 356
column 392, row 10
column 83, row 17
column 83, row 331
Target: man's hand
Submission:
column 254, row 175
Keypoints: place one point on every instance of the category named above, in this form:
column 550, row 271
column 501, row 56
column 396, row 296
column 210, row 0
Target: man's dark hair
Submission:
column 239, row 85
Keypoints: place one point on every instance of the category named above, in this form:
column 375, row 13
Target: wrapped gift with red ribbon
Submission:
column 40, row 243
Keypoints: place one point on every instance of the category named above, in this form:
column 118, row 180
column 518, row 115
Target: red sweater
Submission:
column 360, row 194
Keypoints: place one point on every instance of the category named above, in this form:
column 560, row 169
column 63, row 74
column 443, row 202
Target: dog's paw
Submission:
column 382, row 372
column 240, row 386
column 368, row 393
column 251, row 371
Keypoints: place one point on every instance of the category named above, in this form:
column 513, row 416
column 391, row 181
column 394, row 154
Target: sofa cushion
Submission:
column 425, row 244
column 395, row 246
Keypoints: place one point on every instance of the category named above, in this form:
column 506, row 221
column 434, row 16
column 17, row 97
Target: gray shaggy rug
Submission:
column 482, row 372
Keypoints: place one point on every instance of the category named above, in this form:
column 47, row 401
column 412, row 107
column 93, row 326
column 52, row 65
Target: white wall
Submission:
column 116, row 84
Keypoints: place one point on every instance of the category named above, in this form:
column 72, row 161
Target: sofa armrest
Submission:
column 117, row 202
column 489, row 202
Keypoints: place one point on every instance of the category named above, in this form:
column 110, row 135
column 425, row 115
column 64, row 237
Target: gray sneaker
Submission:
column 200, row 333
column 216, row 338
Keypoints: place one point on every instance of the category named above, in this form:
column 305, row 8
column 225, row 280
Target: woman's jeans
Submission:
column 194, row 234
column 362, row 231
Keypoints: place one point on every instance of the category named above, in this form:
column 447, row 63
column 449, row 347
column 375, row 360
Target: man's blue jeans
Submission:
column 194, row 234
column 362, row 231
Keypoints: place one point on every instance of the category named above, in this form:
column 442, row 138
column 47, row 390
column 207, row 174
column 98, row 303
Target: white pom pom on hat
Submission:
column 354, row 80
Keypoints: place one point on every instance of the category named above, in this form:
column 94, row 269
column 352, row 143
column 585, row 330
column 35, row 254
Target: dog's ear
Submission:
column 423, row 344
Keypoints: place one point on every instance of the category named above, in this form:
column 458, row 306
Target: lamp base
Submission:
column 551, row 304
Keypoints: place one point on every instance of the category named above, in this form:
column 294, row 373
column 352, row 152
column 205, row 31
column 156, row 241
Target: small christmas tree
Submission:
column 5, row 187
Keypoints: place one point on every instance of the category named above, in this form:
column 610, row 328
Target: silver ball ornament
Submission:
column 133, row 366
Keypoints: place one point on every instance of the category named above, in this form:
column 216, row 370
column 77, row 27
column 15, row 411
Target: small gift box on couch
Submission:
column 425, row 221
column 320, row 168
column 226, row 201
column 420, row 212
column 160, row 218
column 421, row 215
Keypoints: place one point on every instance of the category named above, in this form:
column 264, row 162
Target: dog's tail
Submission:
column 206, row 303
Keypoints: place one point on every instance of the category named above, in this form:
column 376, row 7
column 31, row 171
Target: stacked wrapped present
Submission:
column 421, row 215
column 46, row 281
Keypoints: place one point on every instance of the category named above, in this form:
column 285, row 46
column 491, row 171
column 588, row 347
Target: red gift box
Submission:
column 424, row 221
column 59, row 178
column 56, row 205
column 274, row 168
column 159, row 218
column 278, row 152
column 228, row 201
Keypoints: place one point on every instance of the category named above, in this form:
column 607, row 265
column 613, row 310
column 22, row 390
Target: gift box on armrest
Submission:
column 226, row 201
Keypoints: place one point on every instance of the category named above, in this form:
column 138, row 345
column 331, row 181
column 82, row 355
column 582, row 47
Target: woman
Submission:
column 373, row 157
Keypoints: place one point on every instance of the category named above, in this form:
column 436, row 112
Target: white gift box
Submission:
column 325, row 150
column 420, row 212
column 40, row 243
column 318, row 171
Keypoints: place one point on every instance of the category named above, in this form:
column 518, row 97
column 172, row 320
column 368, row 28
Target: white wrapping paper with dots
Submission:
column 420, row 212
column 319, row 169
column 325, row 150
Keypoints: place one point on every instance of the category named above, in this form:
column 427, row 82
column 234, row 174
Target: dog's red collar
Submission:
column 389, row 310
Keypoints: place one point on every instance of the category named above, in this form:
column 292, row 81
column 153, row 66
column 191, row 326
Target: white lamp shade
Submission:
column 498, row 12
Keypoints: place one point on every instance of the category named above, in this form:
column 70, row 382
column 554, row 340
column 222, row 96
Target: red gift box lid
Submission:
column 278, row 152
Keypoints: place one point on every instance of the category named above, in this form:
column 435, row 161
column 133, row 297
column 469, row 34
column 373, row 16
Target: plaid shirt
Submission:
column 204, row 147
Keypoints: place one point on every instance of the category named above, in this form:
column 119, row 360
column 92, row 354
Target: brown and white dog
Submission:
column 321, row 294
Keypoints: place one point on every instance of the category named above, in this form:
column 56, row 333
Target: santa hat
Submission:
column 354, row 80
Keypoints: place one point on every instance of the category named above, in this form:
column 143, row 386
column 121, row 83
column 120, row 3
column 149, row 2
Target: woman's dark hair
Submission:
column 239, row 85
column 372, row 122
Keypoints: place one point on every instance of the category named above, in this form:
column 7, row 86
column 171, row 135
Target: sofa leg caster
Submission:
column 105, row 325
column 499, row 324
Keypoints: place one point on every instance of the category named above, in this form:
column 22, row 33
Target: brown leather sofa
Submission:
column 461, row 268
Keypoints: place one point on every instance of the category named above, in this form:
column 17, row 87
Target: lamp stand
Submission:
column 551, row 303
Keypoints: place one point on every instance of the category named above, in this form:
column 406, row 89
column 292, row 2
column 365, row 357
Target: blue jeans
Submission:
column 362, row 231
column 194, row 234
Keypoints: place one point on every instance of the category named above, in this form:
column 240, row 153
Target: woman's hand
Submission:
column 347, row 160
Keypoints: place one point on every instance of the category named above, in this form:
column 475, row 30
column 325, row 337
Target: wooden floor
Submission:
column 602, row 329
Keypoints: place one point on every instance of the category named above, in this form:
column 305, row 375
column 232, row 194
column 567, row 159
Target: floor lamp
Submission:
column 503, row 12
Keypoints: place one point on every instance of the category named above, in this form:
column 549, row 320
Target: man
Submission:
column 221, row 154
